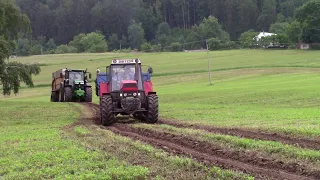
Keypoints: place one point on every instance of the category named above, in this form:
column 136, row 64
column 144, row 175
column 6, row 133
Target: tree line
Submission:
column 63, row 26
column 155, row 23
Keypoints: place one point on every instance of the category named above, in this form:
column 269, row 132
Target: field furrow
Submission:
column 207, row 153
column 201, row 153
column 296, row 141
column 160, row 163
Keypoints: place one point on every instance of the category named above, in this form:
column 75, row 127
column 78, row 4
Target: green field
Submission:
column 258, row 90
column 272, row 90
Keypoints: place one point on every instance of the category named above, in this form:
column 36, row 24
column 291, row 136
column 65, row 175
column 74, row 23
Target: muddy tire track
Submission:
column 299, row 142
column 209, row 154
column 261, row 168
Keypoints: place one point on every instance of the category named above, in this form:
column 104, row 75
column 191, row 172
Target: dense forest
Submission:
column 131, row 23
column 31, row 27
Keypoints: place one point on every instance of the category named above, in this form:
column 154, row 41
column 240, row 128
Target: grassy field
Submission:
column 32, row 147
column 271, row 91
column 36, row 143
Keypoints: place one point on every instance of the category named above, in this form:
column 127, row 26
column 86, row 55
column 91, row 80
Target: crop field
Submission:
column 260, row 119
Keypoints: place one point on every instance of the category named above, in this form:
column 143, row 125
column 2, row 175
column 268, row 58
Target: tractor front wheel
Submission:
column 67, row 94
column 107, row 116
column 153, row 109
column 88, row 94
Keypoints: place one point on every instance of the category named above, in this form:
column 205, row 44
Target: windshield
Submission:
column 75, row 76
column 123, row 72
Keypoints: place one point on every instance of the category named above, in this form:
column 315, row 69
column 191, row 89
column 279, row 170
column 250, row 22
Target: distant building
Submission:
column 263, row 34
column 304, row 46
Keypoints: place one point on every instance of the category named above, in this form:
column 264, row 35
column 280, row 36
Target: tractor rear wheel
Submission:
column 153, row 109
column 88, row 94
column 67, row 94
column 107, row 116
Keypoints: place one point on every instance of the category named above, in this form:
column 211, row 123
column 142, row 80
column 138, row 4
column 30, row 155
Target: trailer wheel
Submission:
column 61, row 97
column 88, row 94
column 107, row 116
column 53, row 97
column 97, row 93
column 153, row 109
column 67, row 94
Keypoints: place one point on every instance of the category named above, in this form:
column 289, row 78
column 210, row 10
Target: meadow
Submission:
column 270, row 91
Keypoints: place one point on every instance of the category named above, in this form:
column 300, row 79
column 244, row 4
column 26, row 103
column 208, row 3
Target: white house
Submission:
column 263, row 34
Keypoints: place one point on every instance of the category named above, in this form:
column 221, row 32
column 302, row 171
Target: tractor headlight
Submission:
column 120, row 95
column 125, row 94
column 134, row 94
column 138, row 94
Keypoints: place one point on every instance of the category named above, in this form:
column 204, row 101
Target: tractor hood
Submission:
column 128, row 85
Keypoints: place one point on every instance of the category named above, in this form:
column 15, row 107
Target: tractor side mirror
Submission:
column 150, row 70
column 90, row 75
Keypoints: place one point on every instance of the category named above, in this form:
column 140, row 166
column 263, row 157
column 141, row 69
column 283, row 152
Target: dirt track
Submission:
column 261, row 168
column 301, row 142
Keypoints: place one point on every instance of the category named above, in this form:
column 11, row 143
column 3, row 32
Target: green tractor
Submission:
column 71, row 85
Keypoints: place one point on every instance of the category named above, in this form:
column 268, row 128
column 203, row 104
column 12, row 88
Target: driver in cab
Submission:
column 128, row 74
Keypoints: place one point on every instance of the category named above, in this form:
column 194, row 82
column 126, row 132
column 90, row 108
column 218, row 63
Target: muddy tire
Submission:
column 107, row 116
column 97, row 93
column 88, row 97
column 67, row 94
column 61, row 97
column 53, row 97
column 153, row 109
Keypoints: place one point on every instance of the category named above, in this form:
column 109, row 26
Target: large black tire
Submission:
column 61, row 96
column 153, row 109
column 97, row 93
column 88, row 94
column 107, row 116
column 53, row 97
column 67, row 94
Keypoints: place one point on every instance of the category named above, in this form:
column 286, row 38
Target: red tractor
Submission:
column 124, row 89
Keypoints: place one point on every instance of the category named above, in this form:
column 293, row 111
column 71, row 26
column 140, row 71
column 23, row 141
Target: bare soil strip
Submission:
column 261, row 168
column 299, row 142
column 206, row 152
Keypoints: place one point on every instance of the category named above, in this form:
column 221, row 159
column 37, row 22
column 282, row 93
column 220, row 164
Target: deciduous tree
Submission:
column 12, row 73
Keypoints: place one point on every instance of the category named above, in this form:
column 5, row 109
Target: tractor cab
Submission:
column 123, row 73
column 120, row 74
column 76, row 77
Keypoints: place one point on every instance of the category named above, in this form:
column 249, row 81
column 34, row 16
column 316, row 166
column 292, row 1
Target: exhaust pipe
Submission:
column 136, row 70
